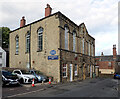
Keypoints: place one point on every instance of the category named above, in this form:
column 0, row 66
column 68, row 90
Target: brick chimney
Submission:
column 22, row 22
column 48, row 10
column 114, row 51
column 102, row 54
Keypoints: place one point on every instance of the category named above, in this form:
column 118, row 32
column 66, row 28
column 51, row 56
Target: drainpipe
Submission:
column 30, row 49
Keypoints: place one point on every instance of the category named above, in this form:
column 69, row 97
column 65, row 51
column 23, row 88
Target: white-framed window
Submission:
column 83, row 46
column 40, row 39
column 66, row 37
column 28, row 42
column 64, row 70
column 74, row 41
column 109, row 63
column 17, row 45
column 76, row 70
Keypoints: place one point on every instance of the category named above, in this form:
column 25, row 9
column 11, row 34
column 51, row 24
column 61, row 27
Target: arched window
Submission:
column 17, row 44
column 83, row 46
column 66, row 37
column 28, row 42
column 74, row 41
column 40, row 39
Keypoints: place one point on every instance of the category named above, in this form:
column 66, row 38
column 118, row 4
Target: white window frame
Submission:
column 64, row 67
column 76, row 73
column 17, row 45
column 74, row 41
column 28, row 42
column 66, row 37
column 40, row 39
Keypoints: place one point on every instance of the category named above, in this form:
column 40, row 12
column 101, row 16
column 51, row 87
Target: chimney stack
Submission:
column 102, row 54
column 114, row 51
column 22, row 22
column 48, row 10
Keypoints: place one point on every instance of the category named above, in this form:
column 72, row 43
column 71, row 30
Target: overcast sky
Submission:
column 99, row 16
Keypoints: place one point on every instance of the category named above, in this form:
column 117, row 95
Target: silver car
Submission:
column 40, row 77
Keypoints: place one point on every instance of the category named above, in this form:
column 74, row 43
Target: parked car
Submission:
column 40, row 77
column 24, row 76
column 9, row 79
column 116, row 76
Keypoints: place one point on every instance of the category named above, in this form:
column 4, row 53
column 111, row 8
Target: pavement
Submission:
column 97, row 87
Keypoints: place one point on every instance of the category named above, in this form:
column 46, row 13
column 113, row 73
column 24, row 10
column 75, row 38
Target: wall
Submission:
column 39, row 60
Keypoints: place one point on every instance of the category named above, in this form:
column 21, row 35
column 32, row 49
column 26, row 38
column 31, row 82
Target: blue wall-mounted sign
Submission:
column 52, row 57
column 52, row 52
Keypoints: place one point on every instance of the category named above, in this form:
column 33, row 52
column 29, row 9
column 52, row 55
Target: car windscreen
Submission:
column 25, row 72
column 5, row 73
column 38, row 72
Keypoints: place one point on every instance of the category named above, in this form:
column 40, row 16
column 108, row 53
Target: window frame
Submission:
column 75, row 70
column 66, row 37
column 83, row 46
column 40, row 39
column 64, row 66
column 74, row 40
column 109, row 64
column 17, row 45
column 28, row 42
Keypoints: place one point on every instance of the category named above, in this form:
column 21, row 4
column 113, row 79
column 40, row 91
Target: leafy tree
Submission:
column 5, row 36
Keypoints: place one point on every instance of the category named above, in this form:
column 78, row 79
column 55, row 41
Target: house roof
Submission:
column 108, row 58
column 43, row 19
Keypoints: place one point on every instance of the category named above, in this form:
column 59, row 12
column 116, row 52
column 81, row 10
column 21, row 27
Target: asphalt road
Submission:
column 97, row 87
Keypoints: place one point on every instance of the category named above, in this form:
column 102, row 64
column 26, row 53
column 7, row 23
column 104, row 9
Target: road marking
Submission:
column 25, row 93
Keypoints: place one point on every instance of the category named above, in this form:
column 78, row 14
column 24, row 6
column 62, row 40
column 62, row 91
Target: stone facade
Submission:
column 54, row 39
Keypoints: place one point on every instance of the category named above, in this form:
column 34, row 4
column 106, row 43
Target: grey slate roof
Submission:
column 108, row 58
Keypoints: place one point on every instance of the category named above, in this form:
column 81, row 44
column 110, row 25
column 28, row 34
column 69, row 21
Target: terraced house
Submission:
column 55, row 45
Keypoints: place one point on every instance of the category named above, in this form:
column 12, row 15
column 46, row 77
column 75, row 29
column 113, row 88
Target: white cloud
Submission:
column 99, row 16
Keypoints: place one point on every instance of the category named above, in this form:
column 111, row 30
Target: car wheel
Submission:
column 21, row 81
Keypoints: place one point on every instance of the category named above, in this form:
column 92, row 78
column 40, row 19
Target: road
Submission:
column 97, row 87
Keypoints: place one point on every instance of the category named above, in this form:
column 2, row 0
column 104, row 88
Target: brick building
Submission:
column 55, row 45
column 108, row 64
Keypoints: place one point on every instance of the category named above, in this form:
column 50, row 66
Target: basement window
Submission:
column 64, row 70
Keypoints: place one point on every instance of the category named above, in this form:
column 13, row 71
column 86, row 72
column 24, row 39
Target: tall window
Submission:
column 28, row 42
column 17, row 44
column 75, row 69
column 83, row 45
column 66, row 37
column 92, row 49
column 74, row 41
column 89, row 49
column 80, row 45
column 40, row 39
column 64, row 70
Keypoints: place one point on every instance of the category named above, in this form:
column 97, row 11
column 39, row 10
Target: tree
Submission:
column 5, row 36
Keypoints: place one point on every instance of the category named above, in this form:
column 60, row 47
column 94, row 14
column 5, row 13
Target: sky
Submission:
column 99, row 16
